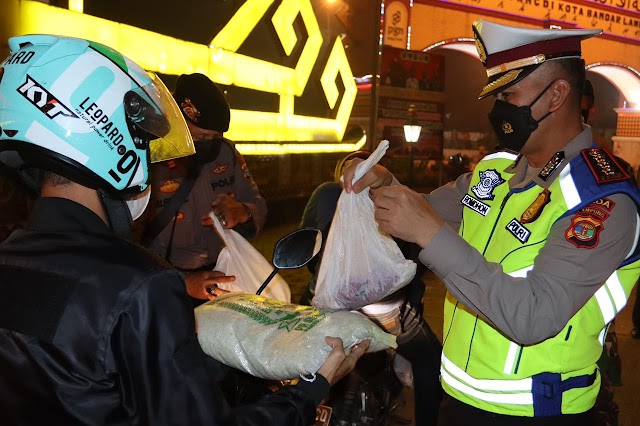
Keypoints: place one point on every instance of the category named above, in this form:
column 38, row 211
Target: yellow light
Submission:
column 157, row 52
column 297, row 148
column 76, row 5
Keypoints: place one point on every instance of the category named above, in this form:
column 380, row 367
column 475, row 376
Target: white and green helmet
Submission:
column 82, row 110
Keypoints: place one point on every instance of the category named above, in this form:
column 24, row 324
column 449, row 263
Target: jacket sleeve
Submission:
column 564, row 277
column 247, row 192
column 165, row 378
column 446, row 200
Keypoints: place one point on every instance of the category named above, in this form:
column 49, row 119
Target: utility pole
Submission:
column 375, row 79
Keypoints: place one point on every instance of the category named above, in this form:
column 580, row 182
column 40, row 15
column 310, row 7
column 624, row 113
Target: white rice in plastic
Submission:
column 275, row 340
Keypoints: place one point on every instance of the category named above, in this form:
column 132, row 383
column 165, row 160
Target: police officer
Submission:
column 95, row 329
column 220, row 182
column 535, row 246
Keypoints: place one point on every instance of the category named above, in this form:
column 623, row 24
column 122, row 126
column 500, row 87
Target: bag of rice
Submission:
column 275, row 340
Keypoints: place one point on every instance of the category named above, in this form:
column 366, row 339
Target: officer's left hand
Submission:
column 405, row 214
column 229, row 212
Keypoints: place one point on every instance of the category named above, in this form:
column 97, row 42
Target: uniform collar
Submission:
column 52, row 214
column 556, row 163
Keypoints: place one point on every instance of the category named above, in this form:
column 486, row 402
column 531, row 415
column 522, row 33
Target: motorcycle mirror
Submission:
column 297, row 248
column 294, row 250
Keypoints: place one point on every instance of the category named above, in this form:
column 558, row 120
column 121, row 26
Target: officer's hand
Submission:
column 341, row 362
column 405, row 214
column 229, row 212
column 376, row 177
column 204, row 284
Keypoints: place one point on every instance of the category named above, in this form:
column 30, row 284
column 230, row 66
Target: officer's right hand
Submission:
column 204, row 284
column 339, row 363
column 375, row 178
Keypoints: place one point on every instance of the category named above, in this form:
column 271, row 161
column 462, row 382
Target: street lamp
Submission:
column 411, row 135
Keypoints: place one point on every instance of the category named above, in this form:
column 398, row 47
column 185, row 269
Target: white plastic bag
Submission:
column 361, row 264
column 271, row 339
column 240, row 259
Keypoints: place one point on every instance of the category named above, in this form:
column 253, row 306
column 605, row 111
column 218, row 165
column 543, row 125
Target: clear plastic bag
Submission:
column 240, row 259
column 274, row 340
column 361, row 264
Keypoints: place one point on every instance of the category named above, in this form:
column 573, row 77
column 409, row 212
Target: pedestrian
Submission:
column 186, row 190
column 401, row 313
column 533, row 246
column 93, row 328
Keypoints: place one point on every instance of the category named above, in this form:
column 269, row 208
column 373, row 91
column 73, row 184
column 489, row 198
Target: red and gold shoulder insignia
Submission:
column 604, row 166
column 584, row 231
column 169, row 186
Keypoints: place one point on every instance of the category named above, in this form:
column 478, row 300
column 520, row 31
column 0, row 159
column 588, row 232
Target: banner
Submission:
column 396, row 24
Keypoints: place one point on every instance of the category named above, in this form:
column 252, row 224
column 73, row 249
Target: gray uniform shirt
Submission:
column 564, row 277
column 195, row 245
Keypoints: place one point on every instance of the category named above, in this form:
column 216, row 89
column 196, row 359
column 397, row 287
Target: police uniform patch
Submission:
column 475, row 205
column 519, row 231
column 604, row 166
column 219, row 168
column 169, row 186
column 551, row 166
column 245, row 171
column 595, row 212
column 535, row 209
column 584, row 231
column 489, row 180
column 605, row 203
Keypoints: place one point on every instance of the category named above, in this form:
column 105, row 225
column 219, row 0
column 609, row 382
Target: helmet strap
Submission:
column 118, row 215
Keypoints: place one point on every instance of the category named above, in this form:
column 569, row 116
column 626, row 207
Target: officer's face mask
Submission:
column 207, row 150
column 514, row 124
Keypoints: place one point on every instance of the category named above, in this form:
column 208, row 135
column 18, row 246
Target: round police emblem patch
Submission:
column 584, row 231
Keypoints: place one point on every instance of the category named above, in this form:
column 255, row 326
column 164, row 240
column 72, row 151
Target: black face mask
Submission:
column 514, row 124
column 207, row 150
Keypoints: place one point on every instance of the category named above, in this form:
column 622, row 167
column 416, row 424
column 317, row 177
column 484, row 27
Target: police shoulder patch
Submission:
column 584, row 231
column 604, row 166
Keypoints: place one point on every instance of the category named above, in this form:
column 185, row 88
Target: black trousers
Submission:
column 456, row 413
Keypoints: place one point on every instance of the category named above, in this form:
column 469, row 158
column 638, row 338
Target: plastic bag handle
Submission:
column 373, row 159
column 218, row 227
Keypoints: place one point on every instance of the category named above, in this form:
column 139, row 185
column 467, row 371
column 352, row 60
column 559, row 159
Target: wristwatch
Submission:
column 248, row 213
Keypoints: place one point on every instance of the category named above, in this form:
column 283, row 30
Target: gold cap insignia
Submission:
column 500, row 81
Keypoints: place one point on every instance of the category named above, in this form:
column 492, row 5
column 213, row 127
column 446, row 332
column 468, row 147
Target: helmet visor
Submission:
column 152, row 109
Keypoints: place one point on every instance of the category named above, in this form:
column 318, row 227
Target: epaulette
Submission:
column 604, row 166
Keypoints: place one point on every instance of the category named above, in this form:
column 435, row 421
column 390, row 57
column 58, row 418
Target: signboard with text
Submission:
column 616, row 17
column 396, row 24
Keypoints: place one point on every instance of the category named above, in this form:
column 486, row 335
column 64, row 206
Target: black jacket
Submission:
column 95, row 330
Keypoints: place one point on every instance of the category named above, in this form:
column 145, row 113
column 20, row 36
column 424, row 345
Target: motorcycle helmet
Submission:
column 84, row 111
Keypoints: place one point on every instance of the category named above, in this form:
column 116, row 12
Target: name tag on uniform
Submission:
column 475, row 205
column 519, row 231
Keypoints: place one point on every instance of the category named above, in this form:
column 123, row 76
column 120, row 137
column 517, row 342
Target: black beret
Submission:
column 202, row 102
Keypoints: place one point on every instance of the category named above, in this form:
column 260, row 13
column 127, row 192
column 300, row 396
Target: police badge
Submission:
column 489, row 180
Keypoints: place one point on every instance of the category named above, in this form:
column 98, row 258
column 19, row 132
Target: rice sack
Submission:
column 276, row 340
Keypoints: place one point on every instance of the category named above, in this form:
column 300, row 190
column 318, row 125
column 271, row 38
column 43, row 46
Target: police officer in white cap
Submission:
column 538, row 246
